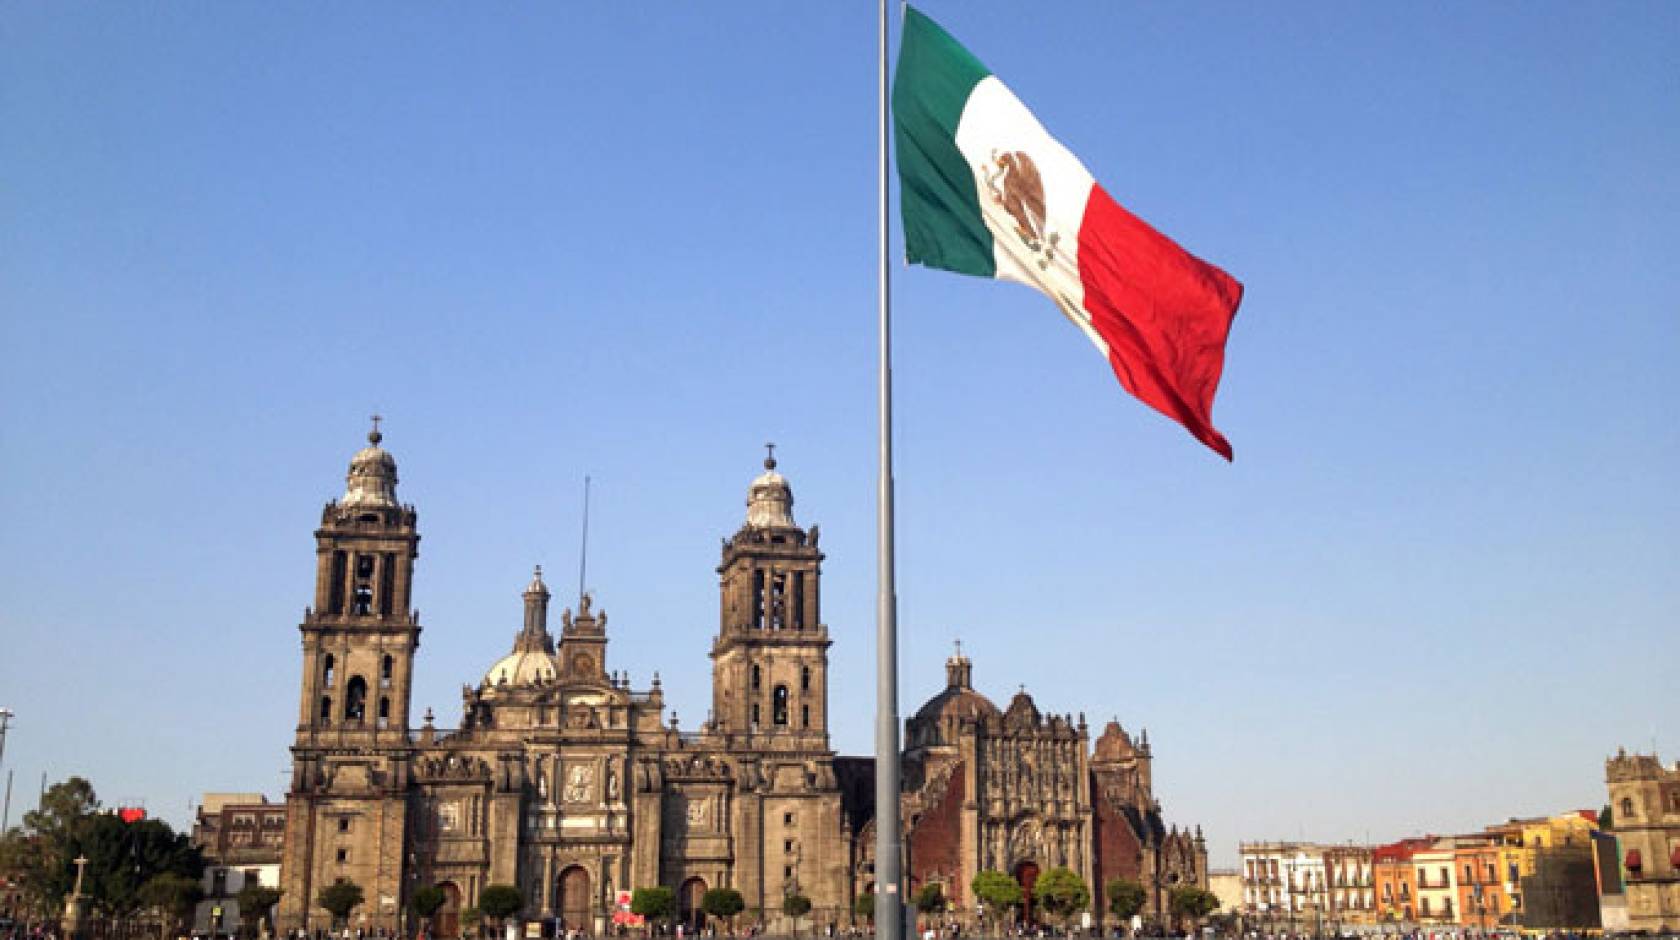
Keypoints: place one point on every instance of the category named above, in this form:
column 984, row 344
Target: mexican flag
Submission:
column 984, row 190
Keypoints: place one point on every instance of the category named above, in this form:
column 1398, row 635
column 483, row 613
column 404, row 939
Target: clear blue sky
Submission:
column 1437, row 587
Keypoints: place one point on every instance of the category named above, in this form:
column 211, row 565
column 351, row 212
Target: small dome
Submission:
column 958, row 699
column 523, row 667
column 957, row 703
column 372, row 481
column 770, row 499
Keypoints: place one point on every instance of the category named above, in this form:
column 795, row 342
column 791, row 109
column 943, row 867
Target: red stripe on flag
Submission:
column 1164, row 312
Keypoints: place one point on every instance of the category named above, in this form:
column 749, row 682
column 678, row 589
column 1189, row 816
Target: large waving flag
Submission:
column 984, row 190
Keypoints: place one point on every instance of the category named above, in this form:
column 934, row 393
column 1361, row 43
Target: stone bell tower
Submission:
column 359, row 637
column 770, row 657
column 346, row 808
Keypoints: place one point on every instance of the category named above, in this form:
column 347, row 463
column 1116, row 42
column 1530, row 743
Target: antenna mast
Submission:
column 583, row 554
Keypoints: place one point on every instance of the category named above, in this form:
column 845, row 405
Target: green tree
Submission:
column 1125, row 897
column 340, row 898
column 657, row 904
column 472, row 919
column 38, row 854
column 123, row 857
column 256, row 907
column 864, row 906
column 1190, row 903
column 1606, row 819
column 724, row 904
column 999, row 892
column 931, row 899
column 1062, row 893
column 426, row 901
column 796, row 906
column 172, row 896
column 499, row 902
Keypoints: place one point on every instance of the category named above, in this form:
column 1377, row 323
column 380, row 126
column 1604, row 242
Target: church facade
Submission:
column 564, row 781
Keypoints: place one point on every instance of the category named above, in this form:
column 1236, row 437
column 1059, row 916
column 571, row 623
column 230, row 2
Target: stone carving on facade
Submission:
column 580, row 783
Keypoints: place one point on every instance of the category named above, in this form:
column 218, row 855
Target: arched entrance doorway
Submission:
column 574, row 899
column 1026, row 873
column 446, row 923
column 688, row 903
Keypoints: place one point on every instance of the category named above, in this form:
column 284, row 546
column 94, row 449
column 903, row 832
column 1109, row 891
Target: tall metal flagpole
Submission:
column 889, row 879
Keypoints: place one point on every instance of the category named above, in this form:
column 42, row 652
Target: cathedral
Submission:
column 564, row 781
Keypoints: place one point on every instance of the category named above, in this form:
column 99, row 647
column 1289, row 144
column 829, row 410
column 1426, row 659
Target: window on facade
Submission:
column 779, row 705
column 804, row 716
column 758, row 600
column 328, row 672
column 787, row 819
column 778, row 601
column 755, row 714
column 384, row 712
column 805, row 679
column 787, row 872
column 326, row 709
column 355, row 699
column 344, row 824
column 1423, row 905
column 757, row 678
column 385, row 667
column 1627, row 808
column 1468, row 874
column 343, row 856
column 787, row 846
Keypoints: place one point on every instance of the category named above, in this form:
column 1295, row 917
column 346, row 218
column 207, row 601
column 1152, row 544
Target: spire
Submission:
column 534, row 637
column 372, row 481
column 770, row 499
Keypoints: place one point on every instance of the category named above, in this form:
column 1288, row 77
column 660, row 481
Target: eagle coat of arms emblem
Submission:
column 1015, row 186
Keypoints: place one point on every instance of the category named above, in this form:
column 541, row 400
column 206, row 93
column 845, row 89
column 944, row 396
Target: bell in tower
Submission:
column 770, row 658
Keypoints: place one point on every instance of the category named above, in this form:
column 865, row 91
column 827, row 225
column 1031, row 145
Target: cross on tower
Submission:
column 769, row 456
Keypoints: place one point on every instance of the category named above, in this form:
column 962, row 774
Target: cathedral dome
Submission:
column 523, row 667
column 770, row 499
column 958, row 700
column 372, row 481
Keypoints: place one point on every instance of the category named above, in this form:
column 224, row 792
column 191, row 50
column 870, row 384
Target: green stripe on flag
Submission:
column 937, row 195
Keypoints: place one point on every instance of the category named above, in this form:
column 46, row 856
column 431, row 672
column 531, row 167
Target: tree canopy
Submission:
column 1192, row 902
column 340, row 898
column 1062, row 893
column 657, row 904
column 864, row 905
column 931, row 899
column 722, row 902
column 1125, row 897
column 255, row 903
column 426, row 901
column 500, row 901
column 997, row 891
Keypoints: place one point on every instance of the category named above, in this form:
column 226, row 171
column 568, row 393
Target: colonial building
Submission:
column 563, row 780
column 1306, row 886
column 240, row 835
column 1645, row 812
